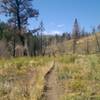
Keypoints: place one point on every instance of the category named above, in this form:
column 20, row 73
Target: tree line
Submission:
column 17, row 40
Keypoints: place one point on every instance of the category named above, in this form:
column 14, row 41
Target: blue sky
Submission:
column 58, row 15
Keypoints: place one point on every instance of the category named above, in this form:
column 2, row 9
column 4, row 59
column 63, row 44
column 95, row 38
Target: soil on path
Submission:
column 51, row 86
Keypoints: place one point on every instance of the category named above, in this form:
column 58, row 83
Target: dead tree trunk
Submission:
column 97, row 42
column 26, row 51
column 87, row 46
column 14, row 45
column 74, row 46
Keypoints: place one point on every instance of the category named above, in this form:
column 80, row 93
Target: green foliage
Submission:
column 5, row 31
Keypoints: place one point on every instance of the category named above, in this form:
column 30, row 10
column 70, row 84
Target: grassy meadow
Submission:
column 79, row 77
column 23, row 78
column 46, row 53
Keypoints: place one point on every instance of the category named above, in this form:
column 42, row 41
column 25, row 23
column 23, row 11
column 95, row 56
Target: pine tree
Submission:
column 76, row 29
column 19, row 11
column 75, row 34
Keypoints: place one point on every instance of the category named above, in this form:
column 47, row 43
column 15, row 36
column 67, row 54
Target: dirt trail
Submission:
column 51, row 87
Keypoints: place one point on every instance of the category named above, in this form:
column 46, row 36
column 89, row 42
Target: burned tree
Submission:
column 98, row 28
column 96, row 37
column 87, row 46
column 41, row 37
column 75, row 34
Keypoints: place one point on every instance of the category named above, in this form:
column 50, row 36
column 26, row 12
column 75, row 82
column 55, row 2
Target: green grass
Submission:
column 80, row 78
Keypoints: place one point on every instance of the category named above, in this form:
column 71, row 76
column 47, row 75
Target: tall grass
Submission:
column 80, row 79
column 23, row 78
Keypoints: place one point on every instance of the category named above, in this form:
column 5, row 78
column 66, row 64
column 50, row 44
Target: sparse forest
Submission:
column 38, row 65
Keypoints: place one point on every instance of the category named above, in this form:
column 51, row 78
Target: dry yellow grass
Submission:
column 79, row 79
column 23, row 78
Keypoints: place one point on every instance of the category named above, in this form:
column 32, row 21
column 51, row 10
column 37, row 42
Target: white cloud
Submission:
column 60, row 25
column 46, row 33
column 55, row 32
column 52, row 32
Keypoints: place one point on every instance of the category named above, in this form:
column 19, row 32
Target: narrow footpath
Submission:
column 51, row 86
